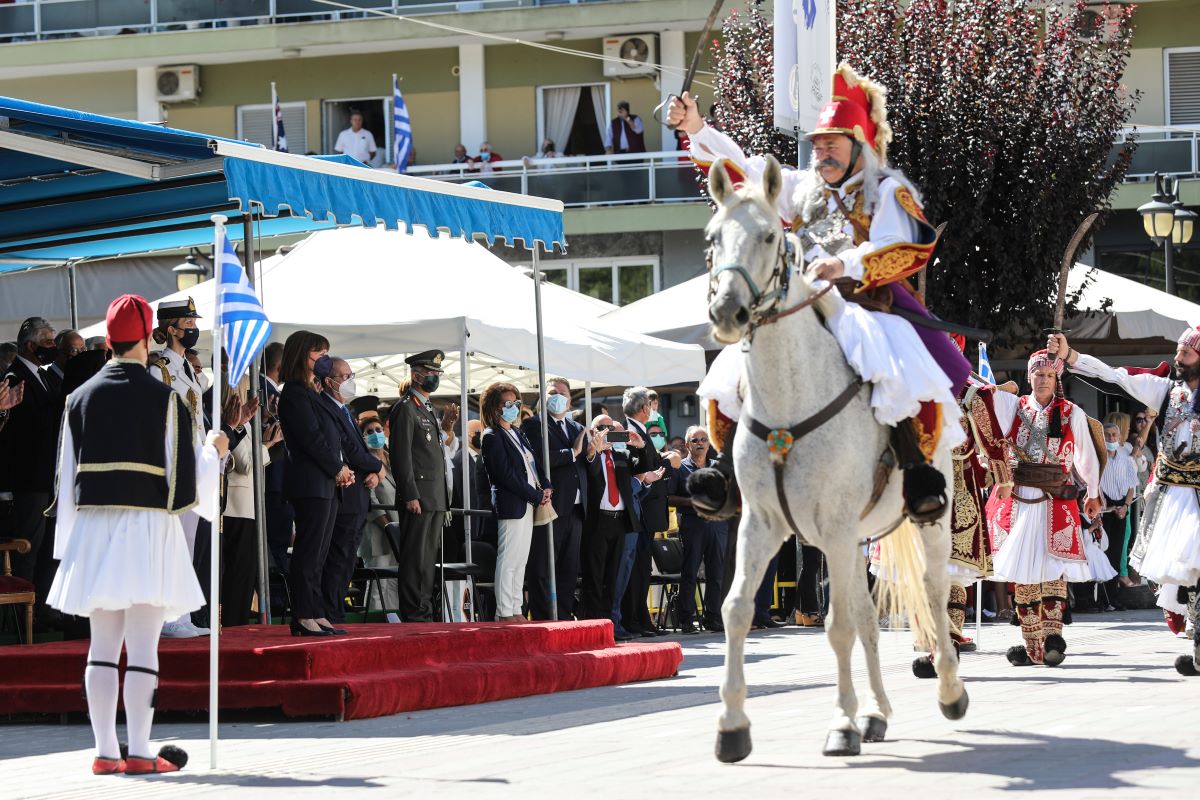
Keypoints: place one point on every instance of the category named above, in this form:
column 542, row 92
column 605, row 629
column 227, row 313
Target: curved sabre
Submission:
column 660, row 112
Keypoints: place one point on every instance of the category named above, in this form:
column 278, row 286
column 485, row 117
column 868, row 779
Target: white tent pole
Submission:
column 541, row 348
column 587, row 404
column 214, row 573
column 253, row 255
column 979, row 612
column 73, row 290
column 464, row 453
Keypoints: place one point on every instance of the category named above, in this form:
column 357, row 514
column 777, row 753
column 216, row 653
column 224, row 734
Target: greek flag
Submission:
column 278, row 137
column 239, row 312
column 401, row 129
column 985, row 366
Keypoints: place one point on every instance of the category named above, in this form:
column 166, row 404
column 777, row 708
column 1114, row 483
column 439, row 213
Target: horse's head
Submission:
column 748, row 270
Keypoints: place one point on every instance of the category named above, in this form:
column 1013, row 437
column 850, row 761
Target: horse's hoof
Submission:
column 1018, row 656
column 923, row 668
column 1186, row 665
column 843, row 743
column 874, row 729
column 957, row 709
column 1054, row 650
column 733, row 746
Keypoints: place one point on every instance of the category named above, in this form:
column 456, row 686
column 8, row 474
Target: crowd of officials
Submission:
column 354, row 482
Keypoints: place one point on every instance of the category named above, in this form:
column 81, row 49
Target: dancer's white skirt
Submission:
column 1023, row 557
column 1098, row 563
column 117, row 558
column 1173, row 552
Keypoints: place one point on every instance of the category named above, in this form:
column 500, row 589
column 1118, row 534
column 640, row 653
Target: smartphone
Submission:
column 617, row 436
column 13, row 379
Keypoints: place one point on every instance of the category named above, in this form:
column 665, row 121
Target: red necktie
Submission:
column 610, row 473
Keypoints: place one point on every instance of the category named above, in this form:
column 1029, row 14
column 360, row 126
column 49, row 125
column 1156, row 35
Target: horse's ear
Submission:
column 719, row 184
column 772, row 180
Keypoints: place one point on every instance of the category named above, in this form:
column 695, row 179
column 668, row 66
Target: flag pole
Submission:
column 396, row 144
column 274, row 121
column 214, row 574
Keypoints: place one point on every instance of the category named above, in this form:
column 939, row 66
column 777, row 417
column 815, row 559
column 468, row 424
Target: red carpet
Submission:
column 374, row 671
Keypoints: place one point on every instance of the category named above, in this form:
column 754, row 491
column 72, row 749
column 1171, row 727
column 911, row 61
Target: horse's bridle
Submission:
column 764, row 303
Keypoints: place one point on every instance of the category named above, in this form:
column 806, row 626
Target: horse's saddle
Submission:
column 878, row 298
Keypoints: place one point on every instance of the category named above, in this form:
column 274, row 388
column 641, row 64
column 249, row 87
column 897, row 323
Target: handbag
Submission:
column 544, row 514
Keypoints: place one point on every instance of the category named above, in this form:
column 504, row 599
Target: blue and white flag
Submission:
column 278, row 137
column 239, row 312
column 985, row 366
column 401, row 128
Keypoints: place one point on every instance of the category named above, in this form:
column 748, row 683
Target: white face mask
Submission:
column 348, row 390
column 1112, row 446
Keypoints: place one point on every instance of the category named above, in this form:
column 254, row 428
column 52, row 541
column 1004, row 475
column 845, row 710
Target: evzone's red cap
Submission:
column 129, row 319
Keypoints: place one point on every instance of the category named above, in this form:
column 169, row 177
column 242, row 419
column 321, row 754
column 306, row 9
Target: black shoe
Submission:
column 332, row 630
column 622, row 635
column 649, row 634
column 688, row 628
column 300, row 630
column 767, row 622
column 924, row 493
column 714, row 625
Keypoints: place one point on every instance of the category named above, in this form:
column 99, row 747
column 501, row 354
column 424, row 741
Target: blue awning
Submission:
column 76, row 186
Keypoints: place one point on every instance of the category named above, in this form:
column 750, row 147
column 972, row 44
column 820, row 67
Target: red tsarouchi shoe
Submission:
column 169, row 759
column 108, row 766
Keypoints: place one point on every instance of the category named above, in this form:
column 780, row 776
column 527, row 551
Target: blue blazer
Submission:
column 512, row 495
column 356, row 497
column 568, row 475
column 313, row 444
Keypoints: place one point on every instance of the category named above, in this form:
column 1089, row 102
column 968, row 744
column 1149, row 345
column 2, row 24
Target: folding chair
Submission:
column 667, row 556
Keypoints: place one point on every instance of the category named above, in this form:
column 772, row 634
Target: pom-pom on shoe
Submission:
column 170, row 759
column 1018, row 656
column 108, row 766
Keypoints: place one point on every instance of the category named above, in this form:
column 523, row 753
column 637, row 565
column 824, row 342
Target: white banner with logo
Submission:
column 804, row 61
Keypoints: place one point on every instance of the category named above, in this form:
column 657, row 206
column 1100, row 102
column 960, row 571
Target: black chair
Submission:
column 371, row 576
column 278, row 581
column 667, row 555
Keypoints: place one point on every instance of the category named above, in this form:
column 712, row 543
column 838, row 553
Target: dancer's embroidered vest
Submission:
column 1030, row 434
column 1183, row 468
column 984, row 446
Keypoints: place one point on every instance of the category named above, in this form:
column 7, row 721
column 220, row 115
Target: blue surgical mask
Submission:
column 620, row 447
column 510, row 414
column 557, row 403
column 377, row 440
column 1112, row 446
column 323, row 366
column 658, row 441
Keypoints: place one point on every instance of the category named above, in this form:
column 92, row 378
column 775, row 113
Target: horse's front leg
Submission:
column 873, row 720
column 756, row 545
column 952, row 695
column 844, row 561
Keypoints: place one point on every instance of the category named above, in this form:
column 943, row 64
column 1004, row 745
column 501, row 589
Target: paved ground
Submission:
column 1115, row 720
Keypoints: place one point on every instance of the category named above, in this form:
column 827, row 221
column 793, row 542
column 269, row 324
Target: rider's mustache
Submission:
column 830, row 162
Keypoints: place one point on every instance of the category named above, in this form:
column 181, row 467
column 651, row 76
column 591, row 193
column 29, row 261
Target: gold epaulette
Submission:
column 162, row 363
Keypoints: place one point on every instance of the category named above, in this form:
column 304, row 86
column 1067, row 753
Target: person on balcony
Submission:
column 626, row 134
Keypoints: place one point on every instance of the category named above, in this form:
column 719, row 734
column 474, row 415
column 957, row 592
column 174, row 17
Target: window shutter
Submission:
column 254, row 125
column 1183, row 76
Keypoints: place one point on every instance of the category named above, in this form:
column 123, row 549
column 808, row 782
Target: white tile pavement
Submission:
column 1114, row 721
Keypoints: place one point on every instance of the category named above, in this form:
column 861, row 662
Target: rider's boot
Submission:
column 924, row 486
column 714, row 488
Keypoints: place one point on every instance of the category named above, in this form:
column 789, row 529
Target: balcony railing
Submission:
column 586, row 181
column 1173, row 150
column 33, row 20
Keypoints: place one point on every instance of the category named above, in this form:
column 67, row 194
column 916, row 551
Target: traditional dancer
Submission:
column 130, row 463
column 1035, row 527
column 1167, row 549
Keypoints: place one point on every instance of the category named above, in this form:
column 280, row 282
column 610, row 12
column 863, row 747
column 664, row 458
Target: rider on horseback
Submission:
column 859, row 223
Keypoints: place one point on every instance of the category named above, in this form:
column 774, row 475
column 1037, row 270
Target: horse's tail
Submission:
column 900, row 590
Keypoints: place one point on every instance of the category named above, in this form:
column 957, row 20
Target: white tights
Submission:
column 138, row 627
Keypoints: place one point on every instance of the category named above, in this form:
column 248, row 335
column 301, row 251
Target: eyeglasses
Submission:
column 511, row 403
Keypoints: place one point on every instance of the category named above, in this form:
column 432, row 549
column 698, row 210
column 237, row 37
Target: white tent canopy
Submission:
column 378, row 295
column 678, row 314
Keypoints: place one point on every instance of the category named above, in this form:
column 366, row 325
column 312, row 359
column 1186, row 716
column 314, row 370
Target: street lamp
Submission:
column 189, row 274
column 1167, row 222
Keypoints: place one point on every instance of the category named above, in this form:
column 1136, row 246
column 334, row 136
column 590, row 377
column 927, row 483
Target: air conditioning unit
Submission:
column 638, row 54
column 1100, row 23
column 177, row 84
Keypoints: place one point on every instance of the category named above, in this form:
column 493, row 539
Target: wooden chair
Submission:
column 14, row 590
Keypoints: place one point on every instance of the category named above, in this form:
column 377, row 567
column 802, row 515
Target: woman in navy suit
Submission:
column 315, row 470
column 516, row 489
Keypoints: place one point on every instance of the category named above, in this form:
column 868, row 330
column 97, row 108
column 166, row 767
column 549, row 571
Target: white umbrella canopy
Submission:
column 1138, row 311
column 378, row 295
column 678, row 314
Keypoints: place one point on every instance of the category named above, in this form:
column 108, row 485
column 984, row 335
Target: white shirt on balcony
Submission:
column 359, row 144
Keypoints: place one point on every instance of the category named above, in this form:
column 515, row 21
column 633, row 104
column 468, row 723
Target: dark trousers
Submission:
column 765, row 596
column 314, row 530
column 339, row 563
column 635, row 611
column 808, row 579
column 29, row 522
column 202, row 564
column 568, row 533
column 420, row 541
column 280, row 517
column 239, row 577
column 600, row 554
column 702, row 541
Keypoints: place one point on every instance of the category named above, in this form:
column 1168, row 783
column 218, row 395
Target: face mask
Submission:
column 348, row 390
column 323, row 366
column 510, row 414
column 46, row 355
column 430, row 383
column 189, row 338
column 202, row 380
column 476, row 440
column 557, row 403
column 659, row 442
column 376, row 441
column 620, row 447
column 1112, row 446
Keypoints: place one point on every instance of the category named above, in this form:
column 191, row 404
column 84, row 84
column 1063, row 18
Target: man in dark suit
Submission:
column 568, row 476
column 280, row 515
column 610, row 516
column 419, row 469
column 28, row 452
column 339, row 388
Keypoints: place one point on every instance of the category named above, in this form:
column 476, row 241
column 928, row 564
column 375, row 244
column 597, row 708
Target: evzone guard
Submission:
column 1034, row 522
column 1167, row 548
column 130, row 464
column 859, row 222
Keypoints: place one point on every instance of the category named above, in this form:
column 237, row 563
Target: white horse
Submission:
column 794, row 368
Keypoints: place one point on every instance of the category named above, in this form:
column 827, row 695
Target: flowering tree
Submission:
column 1004, row 115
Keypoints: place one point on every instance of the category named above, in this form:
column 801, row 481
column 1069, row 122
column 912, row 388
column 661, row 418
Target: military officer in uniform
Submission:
column 419, row 468
column 177, row 332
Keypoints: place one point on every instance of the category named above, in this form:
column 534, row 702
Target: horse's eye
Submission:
column 770, row 238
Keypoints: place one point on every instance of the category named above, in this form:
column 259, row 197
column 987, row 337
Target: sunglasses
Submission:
column 698, row 441
column 1140, row 420
column 511, row 403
